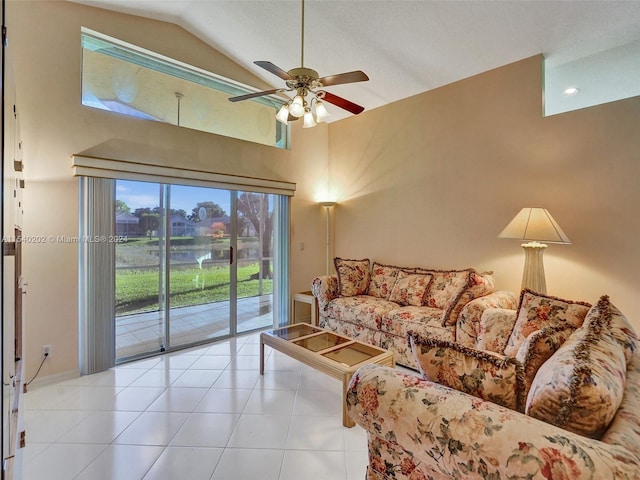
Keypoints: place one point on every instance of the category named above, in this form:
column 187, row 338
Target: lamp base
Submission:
column 533, row 276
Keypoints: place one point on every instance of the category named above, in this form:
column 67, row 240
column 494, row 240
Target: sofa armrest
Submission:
column 468, row 325
column 456, row 435
column 325, row 289
column 494, row 330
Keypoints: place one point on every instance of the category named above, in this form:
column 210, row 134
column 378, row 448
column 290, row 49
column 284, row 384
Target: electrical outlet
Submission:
column 46, row 351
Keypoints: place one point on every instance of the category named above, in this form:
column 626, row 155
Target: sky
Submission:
column 146, row 194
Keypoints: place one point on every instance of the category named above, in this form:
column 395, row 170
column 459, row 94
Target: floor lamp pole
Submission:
column 328, row 241
column 327, row 206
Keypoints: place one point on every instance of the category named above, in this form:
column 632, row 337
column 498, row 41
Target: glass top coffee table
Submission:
column 325, row 351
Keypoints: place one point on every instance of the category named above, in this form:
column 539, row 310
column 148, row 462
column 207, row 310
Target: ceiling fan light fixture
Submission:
column 306, row 81
column 283, row 114
column 297, row 106
column 322, row 114
column 308, row 120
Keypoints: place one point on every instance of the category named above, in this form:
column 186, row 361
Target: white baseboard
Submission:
column 56, row 378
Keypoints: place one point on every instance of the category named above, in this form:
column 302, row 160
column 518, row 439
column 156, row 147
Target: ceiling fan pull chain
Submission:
column 302, row 36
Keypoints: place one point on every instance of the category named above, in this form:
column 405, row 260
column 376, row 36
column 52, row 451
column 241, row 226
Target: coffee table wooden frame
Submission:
column 333, row 368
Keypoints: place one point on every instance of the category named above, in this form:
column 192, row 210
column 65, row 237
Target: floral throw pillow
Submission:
column 537, row 310
column 383, row 278
column 353, row 276
column 486, row 375
column 538, row 348
column 581, row 386
column 410, row 289
column 621, row 330
column 446, row 286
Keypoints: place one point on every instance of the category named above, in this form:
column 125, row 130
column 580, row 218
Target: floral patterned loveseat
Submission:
column 581, row 418
column 379, row 304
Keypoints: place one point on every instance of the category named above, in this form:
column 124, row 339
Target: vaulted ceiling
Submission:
column 405, row 47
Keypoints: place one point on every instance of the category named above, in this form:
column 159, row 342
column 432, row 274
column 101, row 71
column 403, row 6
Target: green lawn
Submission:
column 137, row 290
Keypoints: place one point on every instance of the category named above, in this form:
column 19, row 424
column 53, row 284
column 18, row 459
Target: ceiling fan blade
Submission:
column 239, row 98
column 342, row 103
column 340, row 78
column 270, row 67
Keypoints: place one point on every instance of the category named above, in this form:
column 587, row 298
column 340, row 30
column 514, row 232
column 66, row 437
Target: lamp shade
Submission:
column 534, row 224
column 283, row 114
column 308, row 120
column 322, row 114
column 297, row 106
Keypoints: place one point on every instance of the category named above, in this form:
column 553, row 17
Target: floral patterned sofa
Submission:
column 580, row 420
column 379, row 304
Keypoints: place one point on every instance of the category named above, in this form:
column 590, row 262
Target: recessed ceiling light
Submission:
column 571, row 91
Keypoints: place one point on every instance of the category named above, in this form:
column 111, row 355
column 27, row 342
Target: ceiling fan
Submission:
column 306, row 82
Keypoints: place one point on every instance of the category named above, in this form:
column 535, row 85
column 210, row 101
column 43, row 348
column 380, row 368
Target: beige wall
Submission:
column 433, row 179
column 427, row 181
column 45, row 42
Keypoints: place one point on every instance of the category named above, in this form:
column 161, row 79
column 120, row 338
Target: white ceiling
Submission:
column 405, row 47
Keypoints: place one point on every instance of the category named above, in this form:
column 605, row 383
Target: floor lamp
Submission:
column 327, row 206
column 534, row 225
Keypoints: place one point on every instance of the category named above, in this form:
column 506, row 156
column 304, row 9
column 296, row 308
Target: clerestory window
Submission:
column 126, row 79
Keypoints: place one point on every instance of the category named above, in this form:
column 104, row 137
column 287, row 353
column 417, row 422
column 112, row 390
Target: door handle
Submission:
column 230, row 255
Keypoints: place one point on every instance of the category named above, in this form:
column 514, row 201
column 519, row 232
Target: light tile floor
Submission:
column 203, row 413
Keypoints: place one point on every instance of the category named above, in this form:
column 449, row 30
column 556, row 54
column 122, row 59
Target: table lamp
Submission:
column 534, row 225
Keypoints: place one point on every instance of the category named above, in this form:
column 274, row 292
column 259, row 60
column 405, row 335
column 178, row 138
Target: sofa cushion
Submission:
column 410, row 288
column 423, row 320
column 361, row 309
column 383, row 278
column 486, row 375
column 536, row 310
column 538, row 348
column 478, row 285
column 353, row 276
column 581, row 386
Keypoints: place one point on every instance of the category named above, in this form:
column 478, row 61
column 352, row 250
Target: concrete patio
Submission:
column 143, row 332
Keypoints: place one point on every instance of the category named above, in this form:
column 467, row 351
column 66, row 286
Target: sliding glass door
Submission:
column 254, row 218
column 193, row 264
column 200, row 234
